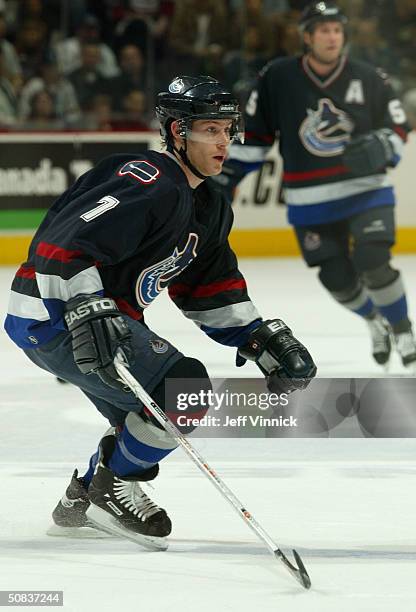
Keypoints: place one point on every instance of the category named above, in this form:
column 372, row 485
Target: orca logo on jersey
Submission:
column 156, row 277
column 141, row 170
column 327, row 130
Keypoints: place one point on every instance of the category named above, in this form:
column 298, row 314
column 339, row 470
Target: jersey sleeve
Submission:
column 212, row 292
column 261, row 126
column 389, row 113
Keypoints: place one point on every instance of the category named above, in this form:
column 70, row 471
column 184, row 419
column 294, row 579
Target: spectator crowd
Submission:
column 97, row 64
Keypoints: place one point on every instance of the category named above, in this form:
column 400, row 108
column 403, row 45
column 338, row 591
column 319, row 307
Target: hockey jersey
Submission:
column 128, row 229
column 313, row 119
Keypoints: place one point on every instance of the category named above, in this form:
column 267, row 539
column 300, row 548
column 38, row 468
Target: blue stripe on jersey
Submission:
column 395, row 312
column 20, row 330
column 334, row 210
column 231, row 336
column 395, row 160
column 55, row 309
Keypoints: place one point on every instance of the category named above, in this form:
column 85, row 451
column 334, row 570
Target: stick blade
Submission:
column 299, row 571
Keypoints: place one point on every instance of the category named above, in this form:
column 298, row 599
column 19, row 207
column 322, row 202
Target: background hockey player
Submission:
column 340, row 126
column 127, row 229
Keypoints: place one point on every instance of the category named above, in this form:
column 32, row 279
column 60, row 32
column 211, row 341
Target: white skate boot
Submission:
column 380, row 332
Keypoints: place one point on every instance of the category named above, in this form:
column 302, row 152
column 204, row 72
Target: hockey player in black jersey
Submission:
column 127, row 229
column 339, row 126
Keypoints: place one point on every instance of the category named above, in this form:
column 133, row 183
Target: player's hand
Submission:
column 369, row 153
column 98, row 332
column 285, row 362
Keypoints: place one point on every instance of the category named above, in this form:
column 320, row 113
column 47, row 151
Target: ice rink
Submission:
column 347, row 505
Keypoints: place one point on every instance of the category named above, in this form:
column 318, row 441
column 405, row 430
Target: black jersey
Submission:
column 128, row 229
column 314, row 119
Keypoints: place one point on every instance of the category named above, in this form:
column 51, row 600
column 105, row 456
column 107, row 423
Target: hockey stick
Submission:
column 299, row 571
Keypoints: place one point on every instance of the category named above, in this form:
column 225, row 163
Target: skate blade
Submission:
column 105, row 522
column 89, row 532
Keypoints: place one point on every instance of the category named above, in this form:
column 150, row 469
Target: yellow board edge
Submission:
column 278, row 242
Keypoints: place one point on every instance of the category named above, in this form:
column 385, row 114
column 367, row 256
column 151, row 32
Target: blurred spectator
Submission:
column 87, row 80
column 69, row 51
column 242, row 66
column 132, row 74
column 270, row 7
column 58, row 87
column 251, row 14
column 199, row 33
column 47, row 11
column 368, row 45
column 9, row 87
column 10, row 57
column 32, row 46
column 146, row 25
column 132, row 117
column 42, row 114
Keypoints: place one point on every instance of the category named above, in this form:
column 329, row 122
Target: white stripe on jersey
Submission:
column 27, row 307
column 234, row 315
column 248, row 153
column 52, row 286
column 335, row 191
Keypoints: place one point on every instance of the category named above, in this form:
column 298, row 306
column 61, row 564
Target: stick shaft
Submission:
column 196, row 457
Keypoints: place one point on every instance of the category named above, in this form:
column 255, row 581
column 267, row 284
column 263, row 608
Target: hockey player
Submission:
column 340, row 126
column 127, row 229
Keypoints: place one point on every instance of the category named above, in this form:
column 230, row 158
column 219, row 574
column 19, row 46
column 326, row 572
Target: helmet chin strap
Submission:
column 182, row 154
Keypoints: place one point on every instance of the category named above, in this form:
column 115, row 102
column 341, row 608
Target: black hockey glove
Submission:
column 369, row 152
column 285, row 362
column 98, row 332
column 232, row 173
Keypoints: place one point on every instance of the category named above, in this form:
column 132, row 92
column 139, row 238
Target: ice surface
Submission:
column 347, row 505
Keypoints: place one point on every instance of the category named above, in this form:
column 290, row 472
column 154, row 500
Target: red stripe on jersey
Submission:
column 401, row 132
column 312, row 174
column 52, row 251
column 264, row 138
column 210, row 290
column 127, row 309
column 26, row 272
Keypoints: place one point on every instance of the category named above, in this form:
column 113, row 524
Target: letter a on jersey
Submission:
column 141, row 170
column 355, row 92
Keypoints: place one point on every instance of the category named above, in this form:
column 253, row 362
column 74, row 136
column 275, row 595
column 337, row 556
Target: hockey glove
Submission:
column 232, row 173
column 98, row 332
column 285, row 362
column 370, row 152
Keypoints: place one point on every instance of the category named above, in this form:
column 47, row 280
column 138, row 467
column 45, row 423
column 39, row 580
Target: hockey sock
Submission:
column 90, row 472
column 357, row 300
column 391, row 303
column 139, row 446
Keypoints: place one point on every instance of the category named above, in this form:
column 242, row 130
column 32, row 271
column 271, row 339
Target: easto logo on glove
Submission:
column 86, row 309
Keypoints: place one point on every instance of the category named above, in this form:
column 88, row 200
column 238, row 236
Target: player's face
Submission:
column 207, row 144
column 326, row 41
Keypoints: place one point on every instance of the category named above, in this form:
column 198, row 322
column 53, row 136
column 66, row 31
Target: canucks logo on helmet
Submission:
column 176, row 86
column 327, row 130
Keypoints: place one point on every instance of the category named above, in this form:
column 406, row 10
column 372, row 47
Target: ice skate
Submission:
column 406, row 347
column 119, row 506
column 381, row 343
column 69, row 516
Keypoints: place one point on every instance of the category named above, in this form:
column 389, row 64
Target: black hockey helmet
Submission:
column 317, row 12
column 202, row 97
